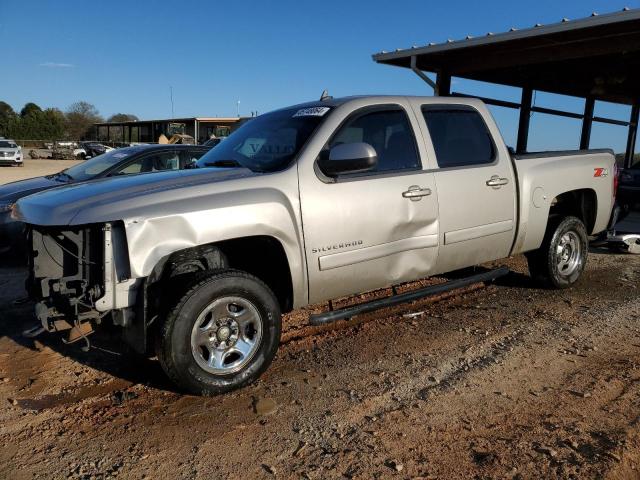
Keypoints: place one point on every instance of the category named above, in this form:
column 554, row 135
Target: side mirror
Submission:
column 349, row 158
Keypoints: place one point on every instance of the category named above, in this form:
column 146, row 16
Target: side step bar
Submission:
column 348, row 312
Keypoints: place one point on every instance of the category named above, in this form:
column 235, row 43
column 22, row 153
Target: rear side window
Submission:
column 459, row 135
column 389, row 132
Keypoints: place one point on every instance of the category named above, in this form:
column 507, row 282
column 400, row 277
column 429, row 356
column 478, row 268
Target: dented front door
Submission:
column 369, row 231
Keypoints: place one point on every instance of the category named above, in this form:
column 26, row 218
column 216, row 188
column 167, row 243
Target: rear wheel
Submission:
column 221, row 335
column 562, row 257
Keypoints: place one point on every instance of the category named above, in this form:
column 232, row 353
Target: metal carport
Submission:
column 596, row 58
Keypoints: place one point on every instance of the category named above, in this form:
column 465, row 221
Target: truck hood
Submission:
column 11, row 192
column 120, row 198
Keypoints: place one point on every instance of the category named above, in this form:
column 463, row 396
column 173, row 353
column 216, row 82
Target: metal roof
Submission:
column 598, row 56
column 174, row 120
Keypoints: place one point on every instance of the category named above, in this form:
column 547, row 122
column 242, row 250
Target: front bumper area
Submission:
column 11, row 160
column 66, row 274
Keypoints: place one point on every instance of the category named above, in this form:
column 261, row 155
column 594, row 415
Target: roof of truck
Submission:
column 336, row 102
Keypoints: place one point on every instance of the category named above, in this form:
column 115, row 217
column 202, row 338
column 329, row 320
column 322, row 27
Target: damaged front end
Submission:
column 74, row 273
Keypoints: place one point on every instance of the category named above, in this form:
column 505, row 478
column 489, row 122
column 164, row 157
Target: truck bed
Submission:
column 543, row 177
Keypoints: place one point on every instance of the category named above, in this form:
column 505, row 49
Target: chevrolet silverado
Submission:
column 302, row 205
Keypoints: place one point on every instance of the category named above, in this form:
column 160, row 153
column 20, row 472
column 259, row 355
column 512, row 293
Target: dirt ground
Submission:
column 501, row 381
column 33, row 168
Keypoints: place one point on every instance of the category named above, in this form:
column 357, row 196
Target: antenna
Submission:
column 171, row 98
column 238, row 108
column 325, row 95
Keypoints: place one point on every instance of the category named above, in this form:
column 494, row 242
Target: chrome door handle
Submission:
column 415, row 193
column 496, row 182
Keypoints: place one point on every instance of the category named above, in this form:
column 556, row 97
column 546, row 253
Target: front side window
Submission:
column 267, row 143
column 389, row 132
column 459, row 135
column 152, row 163
column 100, row 164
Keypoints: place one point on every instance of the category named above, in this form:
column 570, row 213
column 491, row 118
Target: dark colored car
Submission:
column 212, row 142
column 93, row 149
column 122, row 161
column 629, row 188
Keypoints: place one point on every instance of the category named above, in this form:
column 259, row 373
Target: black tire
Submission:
column 175, row 337
column 546, row 264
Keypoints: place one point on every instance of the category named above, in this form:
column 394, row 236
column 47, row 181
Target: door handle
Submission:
column 496, row 182
column 415, row 193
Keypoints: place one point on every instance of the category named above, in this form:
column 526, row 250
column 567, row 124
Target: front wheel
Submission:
column 562, row 257
column 221, row 335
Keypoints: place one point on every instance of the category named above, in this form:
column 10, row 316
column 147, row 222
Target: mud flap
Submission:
column 134, row 333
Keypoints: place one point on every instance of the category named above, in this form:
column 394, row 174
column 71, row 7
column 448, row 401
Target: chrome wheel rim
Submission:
column 226, row 335
column 568, row 253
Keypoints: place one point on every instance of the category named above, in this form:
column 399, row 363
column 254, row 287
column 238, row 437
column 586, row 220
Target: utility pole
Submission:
column 171, row 97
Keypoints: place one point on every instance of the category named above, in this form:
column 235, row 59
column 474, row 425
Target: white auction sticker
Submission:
column 312, row 112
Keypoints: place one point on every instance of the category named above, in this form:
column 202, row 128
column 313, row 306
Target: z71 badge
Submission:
column 600, row 172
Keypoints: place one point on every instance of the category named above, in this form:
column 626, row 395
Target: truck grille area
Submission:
column 67, row 269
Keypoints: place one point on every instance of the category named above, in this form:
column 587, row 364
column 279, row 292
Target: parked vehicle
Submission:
column 212, row 142
column 140, row 159
column 299, row 206
column 90, row 150
column 629, row 190
column 10, row 153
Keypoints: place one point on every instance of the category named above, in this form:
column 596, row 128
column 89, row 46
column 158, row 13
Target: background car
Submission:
column 10, row 153
column 122, row 161
column 90, row 150
column 212, row 142
column 629, row 188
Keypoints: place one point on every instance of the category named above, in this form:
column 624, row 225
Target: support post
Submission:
column 422, row 75
column 443, row 85
column 525, row 120
column 587, row 122
column 631, row 138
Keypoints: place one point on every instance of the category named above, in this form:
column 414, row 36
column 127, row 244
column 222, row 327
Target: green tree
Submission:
column 80, row 117
column 123, row 117
column 30, row 109
column 52, row 124
column 7, row 114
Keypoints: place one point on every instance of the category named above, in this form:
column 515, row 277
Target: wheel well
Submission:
column 578, row 203
column 261, row 256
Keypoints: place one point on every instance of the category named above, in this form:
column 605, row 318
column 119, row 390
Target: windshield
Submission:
column 100, row 164
column 5, row 144
column 267, row 143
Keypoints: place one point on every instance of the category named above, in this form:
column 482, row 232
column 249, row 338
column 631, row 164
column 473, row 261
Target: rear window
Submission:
column 459, row 135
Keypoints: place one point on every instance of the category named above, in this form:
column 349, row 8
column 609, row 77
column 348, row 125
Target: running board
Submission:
column 348, row 312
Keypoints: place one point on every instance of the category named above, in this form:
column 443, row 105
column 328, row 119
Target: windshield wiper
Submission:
column 223, row 163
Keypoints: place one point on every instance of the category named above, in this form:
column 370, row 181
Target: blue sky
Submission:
column 123, row 56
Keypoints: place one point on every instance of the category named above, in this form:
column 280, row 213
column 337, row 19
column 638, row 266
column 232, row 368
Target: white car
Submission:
column 10, row 153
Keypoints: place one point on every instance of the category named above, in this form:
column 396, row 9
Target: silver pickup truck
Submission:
column 303, row 205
